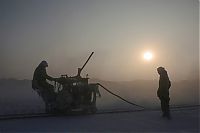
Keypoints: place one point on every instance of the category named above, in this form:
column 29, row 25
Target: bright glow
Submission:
column 148, row 56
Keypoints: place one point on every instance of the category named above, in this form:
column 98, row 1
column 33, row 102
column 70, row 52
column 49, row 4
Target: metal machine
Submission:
column 75, row 94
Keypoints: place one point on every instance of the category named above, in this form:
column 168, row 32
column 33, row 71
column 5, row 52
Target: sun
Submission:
column 148, row 56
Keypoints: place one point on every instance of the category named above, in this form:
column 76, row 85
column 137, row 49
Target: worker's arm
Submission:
column 45, row 76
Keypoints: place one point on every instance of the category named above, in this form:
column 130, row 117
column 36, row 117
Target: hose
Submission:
column 119, row 96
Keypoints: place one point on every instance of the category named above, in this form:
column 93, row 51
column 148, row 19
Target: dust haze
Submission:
column 64, row 33
column 17, row 96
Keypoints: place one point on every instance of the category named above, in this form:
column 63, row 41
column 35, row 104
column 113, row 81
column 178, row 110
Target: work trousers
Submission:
column 165, row 105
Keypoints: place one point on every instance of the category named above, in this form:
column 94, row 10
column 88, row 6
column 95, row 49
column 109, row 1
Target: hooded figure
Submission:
column 163, row 91
column 40, row 84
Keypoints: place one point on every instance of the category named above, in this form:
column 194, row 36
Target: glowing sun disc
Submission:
column 148, row 56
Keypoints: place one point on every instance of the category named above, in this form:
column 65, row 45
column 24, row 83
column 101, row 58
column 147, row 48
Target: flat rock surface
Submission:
column 183, row 120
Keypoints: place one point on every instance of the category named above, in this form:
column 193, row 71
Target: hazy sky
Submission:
column 65, row 32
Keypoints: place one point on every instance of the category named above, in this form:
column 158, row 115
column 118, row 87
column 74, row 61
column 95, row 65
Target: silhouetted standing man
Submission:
column 40, row 84
column 163, row 91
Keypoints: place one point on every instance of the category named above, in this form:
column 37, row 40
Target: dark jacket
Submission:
column 164, row 85
column 40, row 76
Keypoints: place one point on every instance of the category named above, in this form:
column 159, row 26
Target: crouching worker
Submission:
column 44, row 89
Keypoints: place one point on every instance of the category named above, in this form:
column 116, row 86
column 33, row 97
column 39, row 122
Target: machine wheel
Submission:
column 93, row 110
column 63, row 101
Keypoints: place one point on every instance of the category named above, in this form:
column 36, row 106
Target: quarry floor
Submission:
column 183, row 120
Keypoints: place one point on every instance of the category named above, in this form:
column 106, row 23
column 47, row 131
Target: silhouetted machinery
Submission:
column 76, row 94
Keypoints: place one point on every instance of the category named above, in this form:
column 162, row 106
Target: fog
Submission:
column 65, row 32
column 17, row 96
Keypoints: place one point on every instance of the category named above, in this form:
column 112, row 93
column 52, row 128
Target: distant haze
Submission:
column 17, row 96
column 65, row 32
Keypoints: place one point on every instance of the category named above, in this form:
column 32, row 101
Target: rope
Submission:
column 119, row 96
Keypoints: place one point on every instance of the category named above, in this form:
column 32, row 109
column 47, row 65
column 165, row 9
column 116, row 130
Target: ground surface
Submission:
column 183, row 120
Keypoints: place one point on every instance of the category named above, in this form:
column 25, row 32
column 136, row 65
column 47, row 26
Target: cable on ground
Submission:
column 120, row 96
